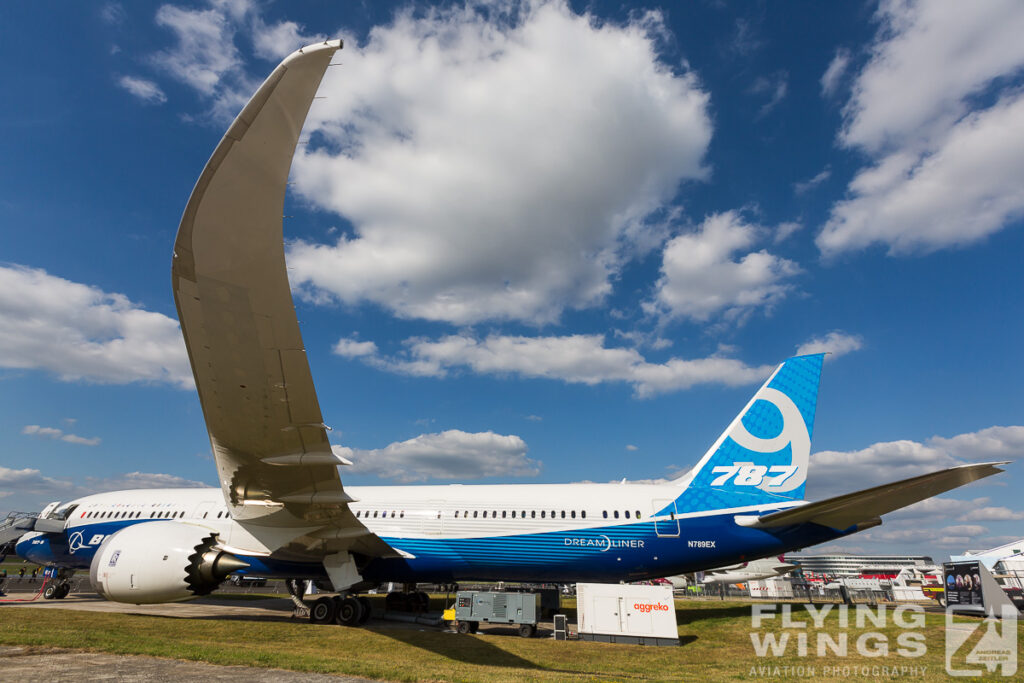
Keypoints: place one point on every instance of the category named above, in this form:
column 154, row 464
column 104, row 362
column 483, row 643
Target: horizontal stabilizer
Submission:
column 844, row 511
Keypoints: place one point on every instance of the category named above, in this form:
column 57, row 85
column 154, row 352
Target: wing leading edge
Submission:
column 230, row 283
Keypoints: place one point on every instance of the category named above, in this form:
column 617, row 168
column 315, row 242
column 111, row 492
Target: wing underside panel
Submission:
column 238, row 319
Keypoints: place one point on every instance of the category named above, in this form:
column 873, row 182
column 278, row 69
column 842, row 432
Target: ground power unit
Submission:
column 622, row 613
column 497, row 607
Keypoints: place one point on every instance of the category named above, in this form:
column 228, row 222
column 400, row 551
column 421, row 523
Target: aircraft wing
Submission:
column 235, row 306
column 866, row 506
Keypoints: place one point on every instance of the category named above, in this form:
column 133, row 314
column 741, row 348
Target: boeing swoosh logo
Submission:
column 76, row 542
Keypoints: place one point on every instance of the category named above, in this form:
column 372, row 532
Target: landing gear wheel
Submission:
column 395, row 602
column 422, row 601
column 527, row 630
column 350, row 612
column 49, row 592
column 463, row 627
column 323, row 611
column 364, row 602
column 62, row 591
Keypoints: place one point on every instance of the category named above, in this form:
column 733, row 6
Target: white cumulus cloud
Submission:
column 575, row 359
column 994, row 443
column 29, row 489
column 833, row 75
column 451, row 454
column 80, row 332
column 712, row 271
column 145, row 90
column 944, row 162
column 835, row 343
column 958, row 192
column 501, row 169
column 58, row 434
column 835, row 472
column 206, row 56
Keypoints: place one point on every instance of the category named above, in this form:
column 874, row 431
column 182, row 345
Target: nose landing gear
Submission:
column 60, row 583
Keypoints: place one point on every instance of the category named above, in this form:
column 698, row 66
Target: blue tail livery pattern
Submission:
column 762, row 457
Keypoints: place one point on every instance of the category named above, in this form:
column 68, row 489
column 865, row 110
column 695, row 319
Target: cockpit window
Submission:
column 65, row 512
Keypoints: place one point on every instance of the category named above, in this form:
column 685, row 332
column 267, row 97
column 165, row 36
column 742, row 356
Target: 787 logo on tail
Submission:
column 749, row 474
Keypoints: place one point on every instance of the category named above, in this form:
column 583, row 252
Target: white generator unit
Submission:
column 622, row 613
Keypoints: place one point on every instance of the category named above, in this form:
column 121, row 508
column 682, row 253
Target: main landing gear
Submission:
column 413, row 601
column 348, row 610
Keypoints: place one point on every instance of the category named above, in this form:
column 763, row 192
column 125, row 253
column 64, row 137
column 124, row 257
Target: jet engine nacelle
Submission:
column 156, row 562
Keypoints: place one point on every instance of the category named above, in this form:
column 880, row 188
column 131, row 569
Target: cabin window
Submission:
column 573, row 513
column 456, row 514
column 533, row 514
column 605, row 513
column 616, row 514
column 485, row 514
column 474, row 514
column 552, row 514
column 503, row 513
column 543, row 514
column 375, row 514
column 392, row 514
column 524, row 514
column 638, row 514
column 583, row 514
column 401, row 515
column 563, row 514
column 513, row 514
column 627, row 514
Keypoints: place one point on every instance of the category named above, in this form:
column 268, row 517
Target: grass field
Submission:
column 716, row 646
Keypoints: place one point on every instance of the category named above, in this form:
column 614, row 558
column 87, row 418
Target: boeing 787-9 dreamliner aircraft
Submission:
column 281, row 509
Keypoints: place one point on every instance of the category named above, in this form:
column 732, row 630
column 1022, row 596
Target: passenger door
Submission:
column 666, row 527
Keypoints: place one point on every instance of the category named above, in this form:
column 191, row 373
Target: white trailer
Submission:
column 623, row 613
column 774, row 588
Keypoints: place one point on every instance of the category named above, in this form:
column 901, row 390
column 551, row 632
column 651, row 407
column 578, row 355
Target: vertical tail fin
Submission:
column 762, row 457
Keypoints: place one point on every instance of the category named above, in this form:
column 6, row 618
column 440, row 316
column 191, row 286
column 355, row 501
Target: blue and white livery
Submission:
column 281, row 509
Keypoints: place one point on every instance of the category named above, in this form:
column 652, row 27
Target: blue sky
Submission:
column 538, row 242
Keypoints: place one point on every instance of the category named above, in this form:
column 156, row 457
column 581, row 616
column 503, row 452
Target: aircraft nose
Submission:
column 34, row 548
